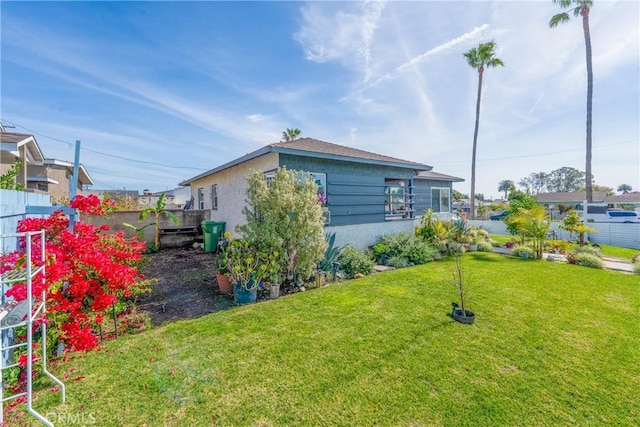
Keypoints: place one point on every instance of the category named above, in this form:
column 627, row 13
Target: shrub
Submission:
column 588, row 260
column 405, row 245
column 557, row 246
column 484, row 246
column 285, row 217
column 482, row 233
column 572, row 256
column 523, row 251
column 352, row 262
column 636, row 268
column 398, row 262
column 495, row 243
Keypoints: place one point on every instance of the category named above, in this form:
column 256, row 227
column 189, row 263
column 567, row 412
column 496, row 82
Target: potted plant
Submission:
column 247, row 267
column 459, row 283
column 222, row 274
column 273, row 275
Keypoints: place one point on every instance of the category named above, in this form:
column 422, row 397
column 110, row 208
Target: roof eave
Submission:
column 260, row 152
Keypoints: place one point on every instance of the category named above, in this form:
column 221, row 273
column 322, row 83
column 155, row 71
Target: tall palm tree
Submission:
column 479, row 58
column 624, row 188
column 505, row 186
column 291, row 134
column 581, row 8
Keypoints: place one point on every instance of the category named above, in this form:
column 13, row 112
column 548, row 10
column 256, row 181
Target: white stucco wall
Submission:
column 232, row 189
column 361, row 236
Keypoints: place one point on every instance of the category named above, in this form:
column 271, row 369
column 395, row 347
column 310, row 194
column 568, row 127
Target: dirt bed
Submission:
column 186, row 286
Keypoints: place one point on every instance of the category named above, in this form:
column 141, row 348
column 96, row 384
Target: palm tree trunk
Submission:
column 587, row 41
column 472, row 207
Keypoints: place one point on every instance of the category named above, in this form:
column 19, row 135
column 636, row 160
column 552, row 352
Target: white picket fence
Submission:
column 614, row 234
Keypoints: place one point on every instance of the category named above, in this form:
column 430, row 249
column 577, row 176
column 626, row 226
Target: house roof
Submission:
column 309, row 147
column 624, row 198
column 84, row 177
column 10, row 144
column 570, row 197
column 437, row 176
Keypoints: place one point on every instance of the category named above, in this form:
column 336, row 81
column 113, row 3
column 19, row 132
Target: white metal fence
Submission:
column 615, row 234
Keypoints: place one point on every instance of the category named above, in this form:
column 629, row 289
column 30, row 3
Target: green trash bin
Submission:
column 213, row 230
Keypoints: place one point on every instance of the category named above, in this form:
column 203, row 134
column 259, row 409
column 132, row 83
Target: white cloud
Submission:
column 345, row 35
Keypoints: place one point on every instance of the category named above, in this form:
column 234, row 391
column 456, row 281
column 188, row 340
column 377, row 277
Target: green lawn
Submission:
column 553, row 344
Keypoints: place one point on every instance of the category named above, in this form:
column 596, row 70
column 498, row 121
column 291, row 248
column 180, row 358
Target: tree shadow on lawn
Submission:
column 484, row 256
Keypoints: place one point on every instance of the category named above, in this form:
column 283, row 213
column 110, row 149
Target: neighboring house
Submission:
column 363, row 188
column 112, row 194
column 571, row 198
column 53, row 177
column 19, row 148
column 38, row 175
column 176, row 198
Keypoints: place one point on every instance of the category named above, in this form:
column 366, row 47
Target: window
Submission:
column 214, row 197
column 440, row 200
column 398, row 202
column 200, row 198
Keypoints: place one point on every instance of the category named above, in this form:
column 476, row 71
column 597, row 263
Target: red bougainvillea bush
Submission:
column 87, row 271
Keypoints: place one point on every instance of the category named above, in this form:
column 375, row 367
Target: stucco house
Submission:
column 38, row 174
column 367, row 194
column 53, row 176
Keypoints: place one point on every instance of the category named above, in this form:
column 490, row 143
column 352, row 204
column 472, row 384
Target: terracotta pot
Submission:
column 224, row 283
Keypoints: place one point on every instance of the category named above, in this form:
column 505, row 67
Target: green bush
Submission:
column 353, row 262
column 583, row 250
column 521, row 250
column 484, row 246
column 398, row 262
column 405, row 245
column 482, row 233
column 284, row 218
column 636, row 268
column 588, row 260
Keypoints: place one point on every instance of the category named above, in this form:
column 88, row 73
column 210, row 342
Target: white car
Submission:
column 619, row 215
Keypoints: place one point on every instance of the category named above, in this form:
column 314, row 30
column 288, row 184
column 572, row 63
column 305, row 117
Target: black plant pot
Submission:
column 467, row 319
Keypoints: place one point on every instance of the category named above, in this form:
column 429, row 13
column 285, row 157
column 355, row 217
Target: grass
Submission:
column 607, row 250
column 553, row 344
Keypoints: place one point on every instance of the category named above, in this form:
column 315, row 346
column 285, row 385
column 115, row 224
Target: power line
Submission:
column 103, row 153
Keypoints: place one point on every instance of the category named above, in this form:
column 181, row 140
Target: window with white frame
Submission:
column 441, row 200
column 214, row 197
column 200, row 198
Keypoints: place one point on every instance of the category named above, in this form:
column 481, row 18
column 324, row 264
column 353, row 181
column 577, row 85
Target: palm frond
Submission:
column 560, row 18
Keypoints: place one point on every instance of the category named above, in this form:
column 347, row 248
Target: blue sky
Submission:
column 160, row 91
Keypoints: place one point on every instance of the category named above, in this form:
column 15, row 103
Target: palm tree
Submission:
column 291, row 134
column 483, row 56
column 505, row 186
column 624, row 188
column 582, row 8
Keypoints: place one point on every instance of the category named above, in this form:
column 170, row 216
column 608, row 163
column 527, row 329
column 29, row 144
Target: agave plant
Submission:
column 332, row 253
